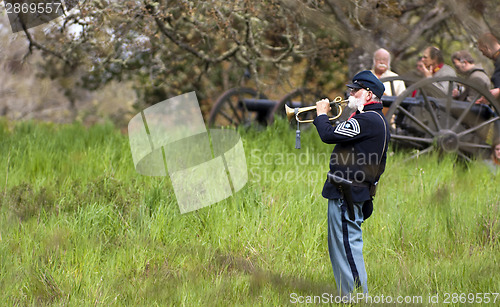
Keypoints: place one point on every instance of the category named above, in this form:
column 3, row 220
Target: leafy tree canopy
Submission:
column 171, row 47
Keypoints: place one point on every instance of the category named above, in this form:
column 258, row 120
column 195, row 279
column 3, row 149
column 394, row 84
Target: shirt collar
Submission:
column 496, row 54
column 437, row 68
column 369, row 106
column 372, row 103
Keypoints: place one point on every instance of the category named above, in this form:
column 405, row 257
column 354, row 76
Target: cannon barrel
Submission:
column 245, row 106
column 265, row 105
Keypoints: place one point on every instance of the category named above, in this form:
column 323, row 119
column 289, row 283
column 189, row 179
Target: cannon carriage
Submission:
column 422, row 117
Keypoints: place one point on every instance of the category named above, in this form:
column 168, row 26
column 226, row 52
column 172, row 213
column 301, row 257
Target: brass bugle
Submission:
column 291, row 112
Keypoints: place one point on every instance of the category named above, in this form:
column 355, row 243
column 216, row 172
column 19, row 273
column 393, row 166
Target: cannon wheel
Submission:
column 303, row 96
column 229, row 110
column 442, row 123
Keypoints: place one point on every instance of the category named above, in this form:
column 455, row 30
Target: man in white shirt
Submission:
column 382, row 69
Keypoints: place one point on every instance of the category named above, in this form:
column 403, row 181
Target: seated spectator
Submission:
column 494, row 161
column 434, row 66
column 419, row 65
column 464, row 63
column 382, row 69
column 417, row 73
column 489, row 46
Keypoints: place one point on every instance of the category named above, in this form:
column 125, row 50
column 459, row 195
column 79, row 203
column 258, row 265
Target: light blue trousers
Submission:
column 345, row 246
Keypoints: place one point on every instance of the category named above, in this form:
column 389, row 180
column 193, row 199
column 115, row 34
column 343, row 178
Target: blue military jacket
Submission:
column 360, row 151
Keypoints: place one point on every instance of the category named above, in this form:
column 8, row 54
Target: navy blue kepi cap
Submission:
column 367, row 80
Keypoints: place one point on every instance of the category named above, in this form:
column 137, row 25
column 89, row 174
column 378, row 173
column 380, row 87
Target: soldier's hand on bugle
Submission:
column 322, row 107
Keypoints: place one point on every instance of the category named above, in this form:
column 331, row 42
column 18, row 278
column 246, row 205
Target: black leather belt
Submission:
column 345, row 188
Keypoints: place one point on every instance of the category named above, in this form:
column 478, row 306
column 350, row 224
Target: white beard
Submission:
column 356, row 103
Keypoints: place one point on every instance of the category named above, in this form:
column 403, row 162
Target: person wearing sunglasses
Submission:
column 356, row 164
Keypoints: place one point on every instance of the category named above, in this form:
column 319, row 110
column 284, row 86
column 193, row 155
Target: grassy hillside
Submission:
column 78, row 226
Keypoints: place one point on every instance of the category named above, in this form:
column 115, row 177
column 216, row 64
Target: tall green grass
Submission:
column 78, row 225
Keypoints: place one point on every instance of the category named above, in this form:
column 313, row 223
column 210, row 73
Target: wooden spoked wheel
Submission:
column 428, row 119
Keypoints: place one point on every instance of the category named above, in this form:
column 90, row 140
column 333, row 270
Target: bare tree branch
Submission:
column 33, row 43
column 198, row 53
column 429, row 21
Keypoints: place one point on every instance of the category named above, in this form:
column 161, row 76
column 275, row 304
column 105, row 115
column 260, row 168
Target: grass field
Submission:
column 79, row 227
